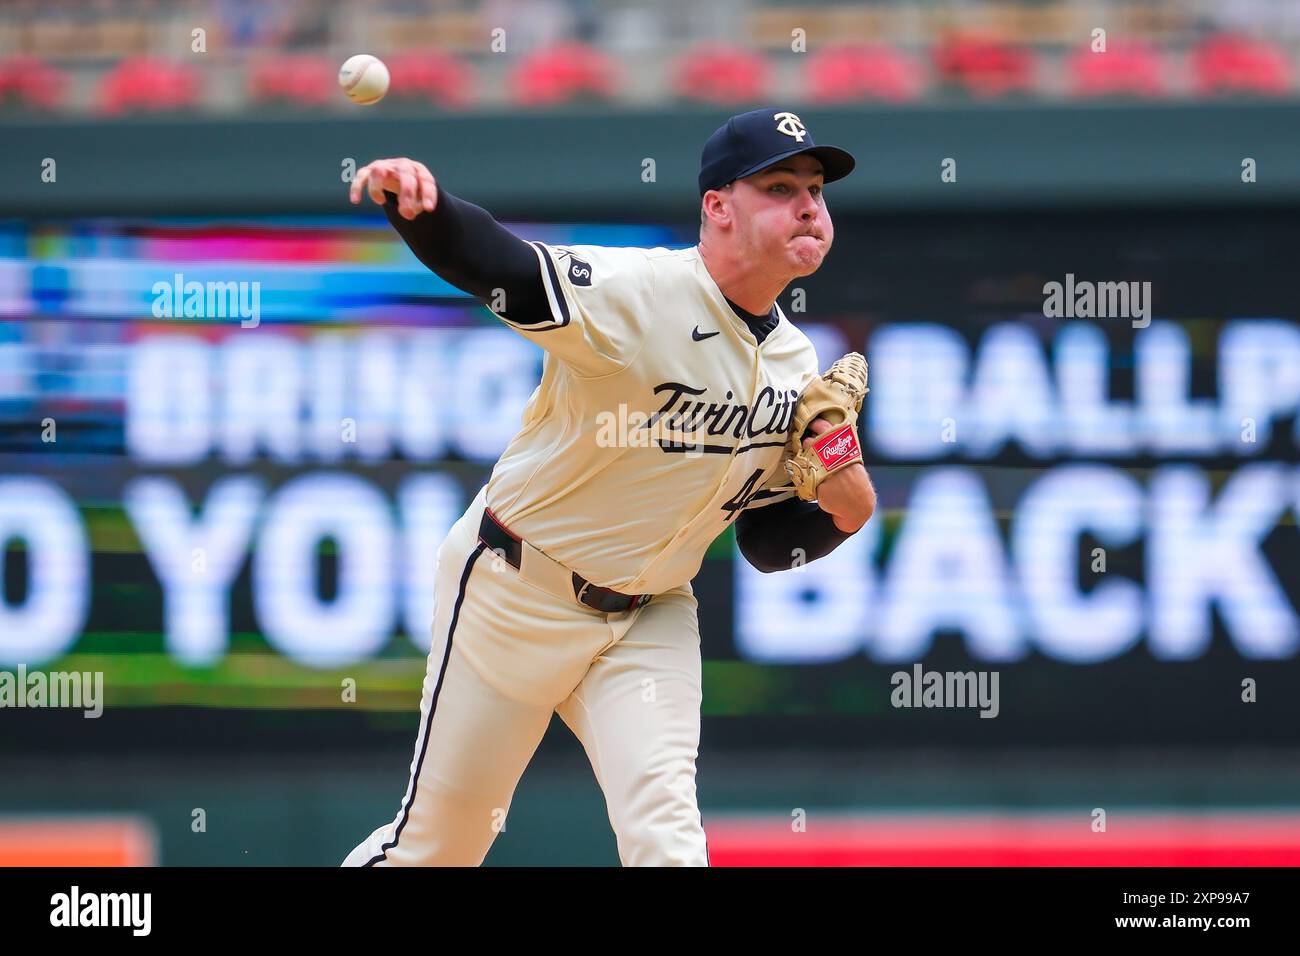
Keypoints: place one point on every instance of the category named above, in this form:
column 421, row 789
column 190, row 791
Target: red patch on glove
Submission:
column 837, row 446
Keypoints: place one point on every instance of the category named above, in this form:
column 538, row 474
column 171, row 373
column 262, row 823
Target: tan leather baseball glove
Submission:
column 837, row 397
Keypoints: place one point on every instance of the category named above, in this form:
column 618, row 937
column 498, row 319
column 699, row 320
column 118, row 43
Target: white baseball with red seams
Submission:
column 364, row 79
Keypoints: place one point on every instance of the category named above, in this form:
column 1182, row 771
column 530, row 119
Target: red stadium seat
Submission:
column 146, row 83
column 1124, row 69
column 721, row 74
column 844, row 74
column 1228, row 63
column 984, row 67
column 31, row 81
column 302, row 79
column 431, row 75
column 561, row 74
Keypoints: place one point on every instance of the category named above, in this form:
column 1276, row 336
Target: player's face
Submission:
column 781, row 216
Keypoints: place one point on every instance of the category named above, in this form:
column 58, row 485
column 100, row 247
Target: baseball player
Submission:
column 676, row 400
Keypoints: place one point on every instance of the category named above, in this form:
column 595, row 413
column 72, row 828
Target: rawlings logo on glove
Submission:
column 837, row 397
column 835, row 448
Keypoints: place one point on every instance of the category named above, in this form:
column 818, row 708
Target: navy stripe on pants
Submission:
column 433, row 707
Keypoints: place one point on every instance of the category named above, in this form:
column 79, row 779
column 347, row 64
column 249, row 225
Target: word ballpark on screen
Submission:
column 949, row 397
column 103, row 909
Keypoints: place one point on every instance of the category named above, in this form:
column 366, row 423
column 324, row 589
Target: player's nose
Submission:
column 808, row 207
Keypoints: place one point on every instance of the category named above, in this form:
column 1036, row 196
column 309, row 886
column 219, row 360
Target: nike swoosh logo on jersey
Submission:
column 699, row 336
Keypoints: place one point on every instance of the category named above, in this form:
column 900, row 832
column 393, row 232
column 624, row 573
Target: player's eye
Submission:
column 777, row 186
column 815, row 190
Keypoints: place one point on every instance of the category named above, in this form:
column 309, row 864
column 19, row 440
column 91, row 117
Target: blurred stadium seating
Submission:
column 1128, row 69
column 721, row 74
column 1228, row 63
column 561, row 74
column 446, row 54
column 853, row 72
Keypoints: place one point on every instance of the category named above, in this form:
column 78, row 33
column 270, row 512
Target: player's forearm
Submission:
column 791, row 532
column 464, row 245
column 848, row 495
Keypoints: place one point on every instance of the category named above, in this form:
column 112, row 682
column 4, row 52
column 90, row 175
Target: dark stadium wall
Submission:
column 584, row 163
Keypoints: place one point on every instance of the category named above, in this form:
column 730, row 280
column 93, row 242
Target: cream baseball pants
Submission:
column 509, row 649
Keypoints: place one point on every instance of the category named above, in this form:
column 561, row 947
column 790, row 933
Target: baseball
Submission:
column 364, row 79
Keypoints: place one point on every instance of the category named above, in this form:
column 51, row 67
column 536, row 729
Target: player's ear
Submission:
column 717, row 207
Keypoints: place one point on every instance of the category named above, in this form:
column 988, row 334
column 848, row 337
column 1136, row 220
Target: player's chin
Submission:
column 807, row 254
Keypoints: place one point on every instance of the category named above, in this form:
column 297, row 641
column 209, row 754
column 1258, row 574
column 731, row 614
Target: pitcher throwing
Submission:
column 676, row 399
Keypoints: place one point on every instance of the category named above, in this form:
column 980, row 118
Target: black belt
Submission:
column 494, row 534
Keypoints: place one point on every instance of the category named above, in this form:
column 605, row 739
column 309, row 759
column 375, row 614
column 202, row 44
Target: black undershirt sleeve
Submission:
column 768, row 536
column 463, row 244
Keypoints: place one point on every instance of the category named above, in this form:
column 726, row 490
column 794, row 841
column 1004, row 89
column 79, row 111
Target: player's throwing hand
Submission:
column 414, row 185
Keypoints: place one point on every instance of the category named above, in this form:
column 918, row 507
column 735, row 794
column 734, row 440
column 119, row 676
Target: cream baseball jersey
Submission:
column 658, row 419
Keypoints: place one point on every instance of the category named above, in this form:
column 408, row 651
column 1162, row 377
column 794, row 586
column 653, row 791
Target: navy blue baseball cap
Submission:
column 752, row 141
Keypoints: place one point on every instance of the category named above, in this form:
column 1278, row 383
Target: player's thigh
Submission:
column 637, row 712
column 497, row 669
column 482, row 715
column 477, row 738
column 473, row 746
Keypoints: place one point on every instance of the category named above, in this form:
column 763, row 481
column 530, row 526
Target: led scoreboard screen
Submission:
column 232, row 448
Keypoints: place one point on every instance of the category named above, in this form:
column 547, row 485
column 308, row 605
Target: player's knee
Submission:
column 661, row 825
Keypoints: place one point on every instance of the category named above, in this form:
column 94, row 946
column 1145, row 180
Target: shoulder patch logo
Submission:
column 579, row 271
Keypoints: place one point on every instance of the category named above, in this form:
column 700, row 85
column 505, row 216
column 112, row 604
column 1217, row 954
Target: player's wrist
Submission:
column 848, row 497
column 847, row 525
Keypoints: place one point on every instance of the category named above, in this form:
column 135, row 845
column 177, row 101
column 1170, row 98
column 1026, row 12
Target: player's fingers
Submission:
column 406, row 192
column 817, row 427
column 381, row 178
column 358, row 184
column 428, row 187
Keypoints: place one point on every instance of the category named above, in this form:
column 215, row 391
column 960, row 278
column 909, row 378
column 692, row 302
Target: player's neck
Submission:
column 745, row 314
column 750, row 288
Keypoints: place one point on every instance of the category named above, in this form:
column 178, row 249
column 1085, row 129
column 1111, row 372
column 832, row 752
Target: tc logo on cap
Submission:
column 791, row 125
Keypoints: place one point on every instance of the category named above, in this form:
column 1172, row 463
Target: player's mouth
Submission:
column 815, row 237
